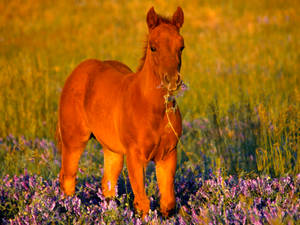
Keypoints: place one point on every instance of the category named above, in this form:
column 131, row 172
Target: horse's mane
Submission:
column 161, row 19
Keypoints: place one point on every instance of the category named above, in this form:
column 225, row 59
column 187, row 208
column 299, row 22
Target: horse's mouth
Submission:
column 171, row 89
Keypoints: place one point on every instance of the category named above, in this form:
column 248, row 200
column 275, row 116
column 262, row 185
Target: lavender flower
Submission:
column 200, row 199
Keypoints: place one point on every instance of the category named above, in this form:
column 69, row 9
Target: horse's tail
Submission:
column 58, row 137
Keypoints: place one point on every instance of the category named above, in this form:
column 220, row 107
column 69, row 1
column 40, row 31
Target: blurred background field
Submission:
column 241, row 63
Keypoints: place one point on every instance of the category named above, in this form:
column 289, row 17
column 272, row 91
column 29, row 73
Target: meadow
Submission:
column 239, row 154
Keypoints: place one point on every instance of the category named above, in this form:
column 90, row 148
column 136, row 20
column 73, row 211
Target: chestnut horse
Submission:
column 128, row 113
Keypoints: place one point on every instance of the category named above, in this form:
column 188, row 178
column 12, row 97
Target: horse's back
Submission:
column 121, row 67
column 89, row 72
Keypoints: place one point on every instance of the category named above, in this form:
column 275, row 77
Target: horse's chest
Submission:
column 170, row 133
column 151, row 135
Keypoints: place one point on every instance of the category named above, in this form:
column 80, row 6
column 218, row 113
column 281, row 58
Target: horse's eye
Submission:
column 181, row 49
column 153, row 49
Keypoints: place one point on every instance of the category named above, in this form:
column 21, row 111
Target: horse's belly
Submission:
column 103, row 128
column 110, row 142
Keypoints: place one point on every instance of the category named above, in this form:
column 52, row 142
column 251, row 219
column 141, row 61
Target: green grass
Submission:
column 241, row 61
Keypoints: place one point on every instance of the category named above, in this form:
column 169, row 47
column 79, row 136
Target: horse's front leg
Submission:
column 136, row 175
column 165, row 173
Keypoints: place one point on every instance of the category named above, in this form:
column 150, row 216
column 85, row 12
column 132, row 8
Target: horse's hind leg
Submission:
column 74, row 139
column 70, row 160
column 113, row 164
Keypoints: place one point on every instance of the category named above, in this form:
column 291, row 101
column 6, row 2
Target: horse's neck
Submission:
column 151, row 88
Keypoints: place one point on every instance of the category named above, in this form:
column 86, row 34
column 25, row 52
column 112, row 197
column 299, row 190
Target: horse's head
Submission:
column 165, row 46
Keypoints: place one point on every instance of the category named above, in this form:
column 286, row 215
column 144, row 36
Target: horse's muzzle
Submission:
column 173, row 83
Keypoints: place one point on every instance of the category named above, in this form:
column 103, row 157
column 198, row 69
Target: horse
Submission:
column 130, row 114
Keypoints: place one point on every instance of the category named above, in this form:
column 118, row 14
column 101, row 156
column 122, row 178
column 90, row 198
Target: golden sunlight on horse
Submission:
column 128, row 113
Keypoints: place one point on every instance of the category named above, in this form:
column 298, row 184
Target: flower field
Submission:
column 238, row 157
column 28, row 198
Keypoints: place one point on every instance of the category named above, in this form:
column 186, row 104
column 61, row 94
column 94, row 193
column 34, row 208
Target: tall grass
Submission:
column 241, row 63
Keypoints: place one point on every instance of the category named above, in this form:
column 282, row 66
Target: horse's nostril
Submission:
column 166, row 78
column 178, row 81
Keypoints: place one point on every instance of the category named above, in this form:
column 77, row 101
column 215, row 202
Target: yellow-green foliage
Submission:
column 237, row 53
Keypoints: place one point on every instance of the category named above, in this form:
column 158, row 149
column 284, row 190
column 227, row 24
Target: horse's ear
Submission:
column 152, row 19
column 178, row 18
